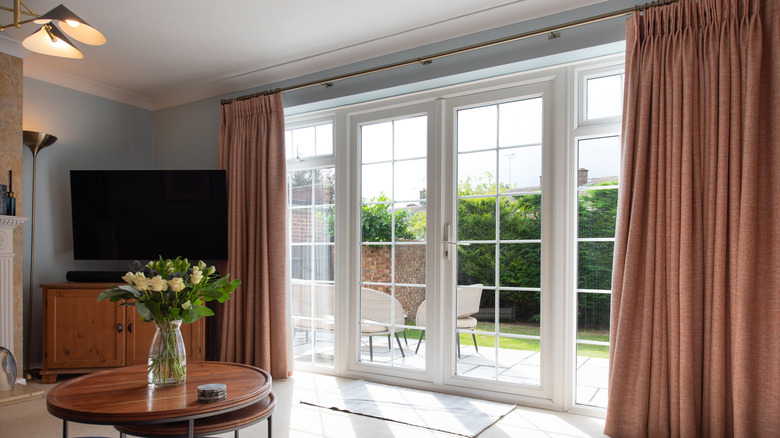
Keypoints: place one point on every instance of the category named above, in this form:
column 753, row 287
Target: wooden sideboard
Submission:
column 82, row 334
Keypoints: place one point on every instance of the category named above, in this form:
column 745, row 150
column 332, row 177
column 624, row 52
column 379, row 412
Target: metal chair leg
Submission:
column 473, row 336
column 399, row 345
column 419, row 341
column 371, row 348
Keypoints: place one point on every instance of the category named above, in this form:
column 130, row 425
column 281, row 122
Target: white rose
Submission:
column 187, row 305
column 196, row 276
column 157, row 284
column 176, row 284
column 129, row 278
column 140, row 282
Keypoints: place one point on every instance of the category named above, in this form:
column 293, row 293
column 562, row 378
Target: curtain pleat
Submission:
column 695, row 329
column 252, row 326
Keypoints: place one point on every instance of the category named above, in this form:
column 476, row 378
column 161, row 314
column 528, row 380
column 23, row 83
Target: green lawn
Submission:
column 587, row 350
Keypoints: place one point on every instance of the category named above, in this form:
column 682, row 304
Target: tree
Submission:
column 597, row 211
column 377, row 221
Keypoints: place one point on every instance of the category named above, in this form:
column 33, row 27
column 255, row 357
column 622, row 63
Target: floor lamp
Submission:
column 35, row 141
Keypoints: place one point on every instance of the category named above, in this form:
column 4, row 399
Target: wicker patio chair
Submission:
column 467, row 304
column 313, row 307
column 381, row 313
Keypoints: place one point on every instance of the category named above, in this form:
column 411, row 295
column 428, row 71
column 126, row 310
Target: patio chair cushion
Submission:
column 371, row 328
column 467, row 323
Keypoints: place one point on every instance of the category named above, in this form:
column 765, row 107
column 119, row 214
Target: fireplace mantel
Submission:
column 7, row 254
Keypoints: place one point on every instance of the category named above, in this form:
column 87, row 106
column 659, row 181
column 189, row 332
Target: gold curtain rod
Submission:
column 328, row 82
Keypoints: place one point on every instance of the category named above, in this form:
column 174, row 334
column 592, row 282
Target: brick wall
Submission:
column 410, row 268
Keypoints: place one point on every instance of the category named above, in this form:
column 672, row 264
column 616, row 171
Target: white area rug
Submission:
column 442, row 412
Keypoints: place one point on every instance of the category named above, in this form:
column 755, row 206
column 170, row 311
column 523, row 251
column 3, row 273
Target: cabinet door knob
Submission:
column 119, row 328
column 130, row 327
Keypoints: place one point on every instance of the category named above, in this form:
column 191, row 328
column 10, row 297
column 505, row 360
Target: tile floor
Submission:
column 515, row 366
column 295, row 420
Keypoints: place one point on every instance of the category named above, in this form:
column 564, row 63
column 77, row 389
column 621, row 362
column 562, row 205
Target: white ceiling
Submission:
column 164, row 53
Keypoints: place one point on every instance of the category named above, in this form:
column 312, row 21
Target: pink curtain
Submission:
column 695, row 334
column 252, row 326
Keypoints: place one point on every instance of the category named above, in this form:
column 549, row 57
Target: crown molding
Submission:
column 12, row 47
column 35, row 71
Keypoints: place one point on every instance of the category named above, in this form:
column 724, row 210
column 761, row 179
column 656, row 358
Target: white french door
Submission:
column 392, row 207
column 463, row 304
column 498, row 292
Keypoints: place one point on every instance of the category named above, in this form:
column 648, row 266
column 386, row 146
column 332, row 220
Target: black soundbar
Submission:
column 96, row 276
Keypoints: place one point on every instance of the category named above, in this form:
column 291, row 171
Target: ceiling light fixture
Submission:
column 50, row 39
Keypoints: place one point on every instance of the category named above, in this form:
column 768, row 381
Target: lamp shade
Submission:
column 48, row 40
column 37, row 140
column 73, row 26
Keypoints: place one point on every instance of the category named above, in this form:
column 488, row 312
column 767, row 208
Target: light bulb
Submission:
column 72, row 23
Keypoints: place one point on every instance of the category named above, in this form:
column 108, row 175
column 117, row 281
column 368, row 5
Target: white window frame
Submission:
column 566, row 85
column 314, row 163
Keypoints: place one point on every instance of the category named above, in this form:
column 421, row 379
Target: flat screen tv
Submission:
column 147, row 214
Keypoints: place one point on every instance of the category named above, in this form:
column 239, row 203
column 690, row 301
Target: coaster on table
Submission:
column 212, row 392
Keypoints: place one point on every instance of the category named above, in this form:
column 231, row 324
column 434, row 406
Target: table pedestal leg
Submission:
column 64, row 428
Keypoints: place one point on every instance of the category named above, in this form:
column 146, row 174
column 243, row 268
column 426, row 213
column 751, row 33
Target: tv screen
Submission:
column 147, row 214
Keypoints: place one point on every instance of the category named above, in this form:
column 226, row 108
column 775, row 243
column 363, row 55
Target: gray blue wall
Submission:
column 93, row 133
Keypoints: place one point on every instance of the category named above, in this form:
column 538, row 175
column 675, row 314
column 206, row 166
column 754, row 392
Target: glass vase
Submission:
column 167, row 355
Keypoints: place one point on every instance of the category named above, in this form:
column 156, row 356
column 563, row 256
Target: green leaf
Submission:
column 115, row 295
column 189, row 316
column 203, row 311
column 143, row 311
column 135, row 292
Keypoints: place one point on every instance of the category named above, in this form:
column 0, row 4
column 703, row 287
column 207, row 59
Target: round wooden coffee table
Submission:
column 121, row 397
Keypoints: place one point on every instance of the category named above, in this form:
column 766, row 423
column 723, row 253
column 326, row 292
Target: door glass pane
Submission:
column 324, row 137
column 600, row 159
column 597, row 181
column 377, row 142
column 520, row 169
column 521, row 123
column 393, row 232
column 499, row 212
column 410, row 180
column 521, row 217
column 593, row 313
column 477, row 218
column 311, row 209
column 477, row 128
column 410, row 138
column 304, row 142
column 410, row 264
column 310, row 141
column 604, row 96
column 597, row 213
column 521, row 265
column 477, row 173
column 477, row 264
column 594, row 264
